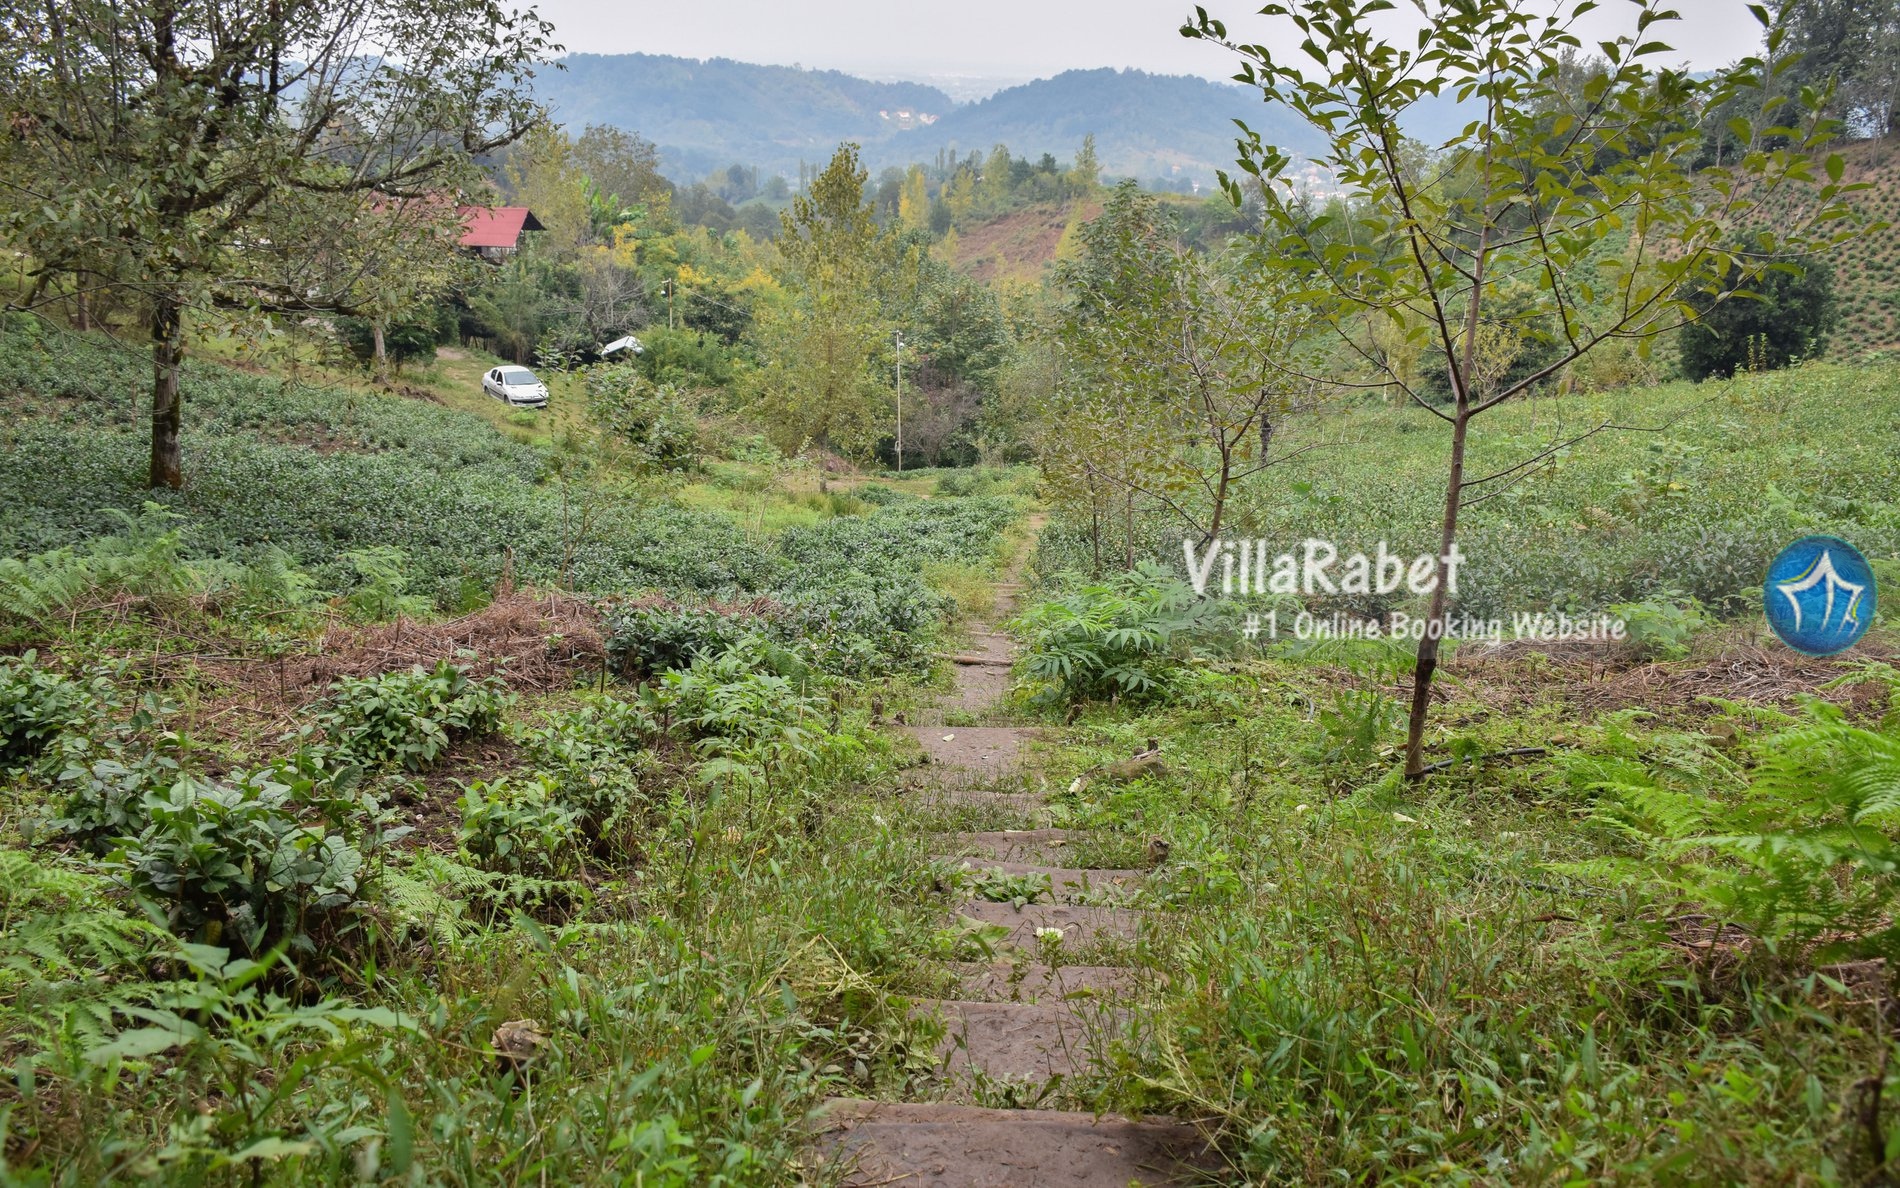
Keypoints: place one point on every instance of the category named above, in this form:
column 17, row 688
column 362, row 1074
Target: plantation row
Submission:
column 1725, row 476
column 426, row 888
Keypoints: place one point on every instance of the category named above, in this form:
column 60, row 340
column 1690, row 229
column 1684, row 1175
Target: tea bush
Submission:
column 411, row 717
column 234, row 864
column 518, row 826
column 595, row 758
column 734, row 697
column 441, row 486
column 646, row 639
column 1734, row 472
column 37, row 706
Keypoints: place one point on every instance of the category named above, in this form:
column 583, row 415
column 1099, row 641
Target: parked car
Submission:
column 516, row 386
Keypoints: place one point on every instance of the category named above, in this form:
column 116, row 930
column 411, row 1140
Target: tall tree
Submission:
column 913, row 207
column 1190, row 357
column 818, row 381
column 1849, row 52
column 625, row 166
column 1594, row 226
column 1085, row 175
column 169, row 145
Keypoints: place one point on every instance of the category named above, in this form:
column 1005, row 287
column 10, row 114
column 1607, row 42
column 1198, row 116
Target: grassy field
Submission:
column 618, row 896
column 1692, row 500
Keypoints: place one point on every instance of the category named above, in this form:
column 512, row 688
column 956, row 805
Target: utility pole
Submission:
column 669, row 303
column 899, row 336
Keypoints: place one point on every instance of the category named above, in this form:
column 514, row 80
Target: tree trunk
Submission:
column 1128, row 531
column 381, row 359
column 82, row 315
column 1427, row 663
column 168, row 356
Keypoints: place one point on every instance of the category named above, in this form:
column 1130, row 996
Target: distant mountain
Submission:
column 706, row 115
column 1145, row 125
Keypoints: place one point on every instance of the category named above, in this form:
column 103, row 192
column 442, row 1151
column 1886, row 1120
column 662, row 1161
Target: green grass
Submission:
column 1734, row 471
column 1376, row 984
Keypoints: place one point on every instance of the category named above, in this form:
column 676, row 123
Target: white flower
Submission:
column 1049, row 936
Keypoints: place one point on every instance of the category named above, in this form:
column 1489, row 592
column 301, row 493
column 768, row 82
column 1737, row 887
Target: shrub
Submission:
column 106, row 781
column 411, row 718
column 1115, row 639
column 863, row 625
column 594, row 758
column 1789, row 318
column 1793, row 838
column 734, row 697
column 1661, row 627
column 233, row 864
column 519, row 826
column 645, row 639
column 659, row 420
column 37, row 706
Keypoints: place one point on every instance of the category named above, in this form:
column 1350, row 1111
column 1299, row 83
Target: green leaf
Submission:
column 144, row 1041
column 399, row 1134
column 270, row 1149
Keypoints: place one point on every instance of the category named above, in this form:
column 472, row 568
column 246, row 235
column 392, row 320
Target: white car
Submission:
column 516, row 387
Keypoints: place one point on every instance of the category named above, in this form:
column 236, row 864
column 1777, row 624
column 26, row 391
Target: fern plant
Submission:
column 144, row 558
column 74, row 957
column 1117, row 639
column 1794, row 838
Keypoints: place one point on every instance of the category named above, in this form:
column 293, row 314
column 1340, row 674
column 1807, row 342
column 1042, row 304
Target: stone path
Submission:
column 1023, row 1025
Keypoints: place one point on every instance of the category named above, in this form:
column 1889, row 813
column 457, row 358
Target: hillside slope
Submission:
column 1867, row 271
column 706, row 115
column 710, row 114
column 1145, row 125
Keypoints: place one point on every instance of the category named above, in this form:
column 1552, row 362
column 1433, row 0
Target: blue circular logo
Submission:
column 1819, row 595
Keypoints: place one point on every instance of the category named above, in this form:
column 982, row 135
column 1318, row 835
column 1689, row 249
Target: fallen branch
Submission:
column 980, row 661
column 1514, row 752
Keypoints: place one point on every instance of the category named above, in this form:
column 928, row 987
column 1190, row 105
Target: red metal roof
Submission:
column 496, row 227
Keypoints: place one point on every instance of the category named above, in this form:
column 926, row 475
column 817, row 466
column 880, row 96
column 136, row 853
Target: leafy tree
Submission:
column 1846, row 54
column 817, row 381
column 1085, row 175
column 625, row 166
column 202, row 154
column 1600, row 216
column 1182, row 361
column 913, row 208
column 1789, row 316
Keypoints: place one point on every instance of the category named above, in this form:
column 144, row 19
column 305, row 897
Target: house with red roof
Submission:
column 494, row 231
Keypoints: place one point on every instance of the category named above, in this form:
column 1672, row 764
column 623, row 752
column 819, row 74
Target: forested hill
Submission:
column 706, row 115
column 1144, row 124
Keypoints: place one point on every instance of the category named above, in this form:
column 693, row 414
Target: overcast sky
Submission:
column 1010, row 38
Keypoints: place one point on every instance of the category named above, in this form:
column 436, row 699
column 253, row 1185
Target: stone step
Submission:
column 991, row 750
column 1081, row 926
column 1022, row 1043
column 1032, row 981
column 1009, row 845
column 930, row 792
column 932, row 1145
column 1067, row 884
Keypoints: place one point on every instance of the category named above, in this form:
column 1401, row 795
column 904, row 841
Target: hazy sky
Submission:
column 1011, row 38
